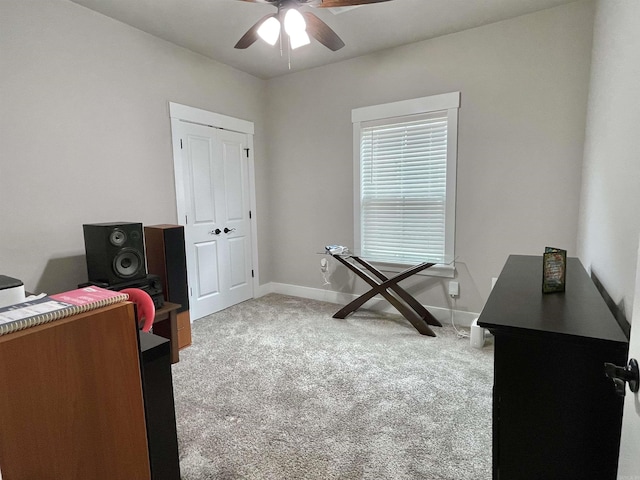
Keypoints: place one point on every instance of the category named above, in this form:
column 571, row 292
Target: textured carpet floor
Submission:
column 275, row 388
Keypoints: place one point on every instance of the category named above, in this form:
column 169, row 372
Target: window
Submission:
column 405, row 180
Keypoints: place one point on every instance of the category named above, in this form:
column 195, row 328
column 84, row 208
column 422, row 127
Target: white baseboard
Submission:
column 461, row 318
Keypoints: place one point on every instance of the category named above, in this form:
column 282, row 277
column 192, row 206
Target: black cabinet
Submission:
column 555, row 413
column 157, row 387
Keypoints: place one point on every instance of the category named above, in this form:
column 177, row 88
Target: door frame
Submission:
column 628, row 461
column 184, row 113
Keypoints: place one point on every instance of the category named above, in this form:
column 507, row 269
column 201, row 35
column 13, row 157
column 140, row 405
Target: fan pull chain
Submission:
column 282, row 50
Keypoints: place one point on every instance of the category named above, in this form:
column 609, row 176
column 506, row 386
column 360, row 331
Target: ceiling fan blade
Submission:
column 345, row 3
column 322, row 32
column 252, row 34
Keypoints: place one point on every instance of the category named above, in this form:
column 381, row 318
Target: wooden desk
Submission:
column 165, row 324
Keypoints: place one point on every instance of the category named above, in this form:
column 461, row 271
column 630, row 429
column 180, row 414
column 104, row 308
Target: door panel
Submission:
column 207, row 268
column 237, row 250
column 200, row 174
column 234, row 177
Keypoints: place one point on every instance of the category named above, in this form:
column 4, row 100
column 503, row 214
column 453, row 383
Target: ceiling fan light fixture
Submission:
column 269, row 31
column 294, row 22
column 299, row 26
column 299, row 39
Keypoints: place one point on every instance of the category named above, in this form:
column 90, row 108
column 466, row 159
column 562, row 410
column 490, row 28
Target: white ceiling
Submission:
column 212, row 27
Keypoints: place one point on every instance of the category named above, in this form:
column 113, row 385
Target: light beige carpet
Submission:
column 275, row 388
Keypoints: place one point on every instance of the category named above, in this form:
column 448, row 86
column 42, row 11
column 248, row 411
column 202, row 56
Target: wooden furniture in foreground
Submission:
column 555, row 413
column 71, row 401
column 408, row 306
column 165, row 324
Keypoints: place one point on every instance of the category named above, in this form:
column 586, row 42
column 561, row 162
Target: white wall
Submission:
column 610, row 208
column 524, row 86
column 610, row 205
column 85, row 125
column 85, row 132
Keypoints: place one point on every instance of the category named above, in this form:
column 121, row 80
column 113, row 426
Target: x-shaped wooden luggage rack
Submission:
column 397, row 296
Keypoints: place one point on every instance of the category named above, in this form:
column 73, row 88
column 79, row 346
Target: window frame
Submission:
column 449, row 102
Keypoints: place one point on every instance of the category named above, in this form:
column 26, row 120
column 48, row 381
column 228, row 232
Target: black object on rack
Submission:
column 150, row 284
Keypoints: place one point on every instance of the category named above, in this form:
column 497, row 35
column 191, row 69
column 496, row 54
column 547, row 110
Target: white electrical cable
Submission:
column 324, row 268
column 453, row 324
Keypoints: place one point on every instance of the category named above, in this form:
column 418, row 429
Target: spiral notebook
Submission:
column 53, row 307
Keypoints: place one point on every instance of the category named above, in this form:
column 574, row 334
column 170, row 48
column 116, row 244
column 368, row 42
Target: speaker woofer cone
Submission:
column 127, row 263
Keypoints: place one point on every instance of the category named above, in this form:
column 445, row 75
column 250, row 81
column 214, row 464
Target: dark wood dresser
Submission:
column 555, row 413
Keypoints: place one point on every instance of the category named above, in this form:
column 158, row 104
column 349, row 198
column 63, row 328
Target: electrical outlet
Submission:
column 324, row 265
column 454, row 289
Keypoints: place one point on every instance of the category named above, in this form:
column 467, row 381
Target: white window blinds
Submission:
column 403, row 188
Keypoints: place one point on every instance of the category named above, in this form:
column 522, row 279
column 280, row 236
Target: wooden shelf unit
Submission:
column 71, row 401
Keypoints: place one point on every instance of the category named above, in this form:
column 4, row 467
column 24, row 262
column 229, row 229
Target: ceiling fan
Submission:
column 298, row 25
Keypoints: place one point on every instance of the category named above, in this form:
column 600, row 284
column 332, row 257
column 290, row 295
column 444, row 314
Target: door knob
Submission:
column 622, row 375
column 226, row 230
column 217, row 231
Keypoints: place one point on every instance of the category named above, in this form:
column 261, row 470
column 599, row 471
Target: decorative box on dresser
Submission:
column 555, row 413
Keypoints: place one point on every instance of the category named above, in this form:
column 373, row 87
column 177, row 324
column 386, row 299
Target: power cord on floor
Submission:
column 460, row 333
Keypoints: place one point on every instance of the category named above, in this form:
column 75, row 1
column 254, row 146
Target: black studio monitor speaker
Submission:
column 115, row 252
